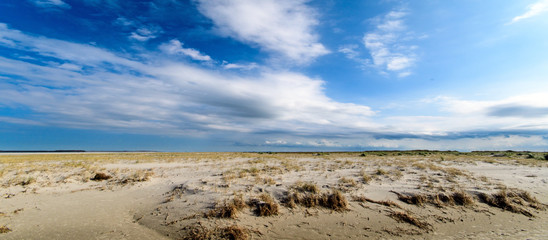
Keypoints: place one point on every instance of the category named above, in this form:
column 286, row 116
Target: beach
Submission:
column 364, row 195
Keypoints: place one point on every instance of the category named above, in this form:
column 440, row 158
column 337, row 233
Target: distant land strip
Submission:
column 65, row 151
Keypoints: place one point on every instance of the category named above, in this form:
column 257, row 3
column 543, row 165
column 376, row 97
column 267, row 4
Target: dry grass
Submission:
column 462, row 198
column 306, row 187
column 348, row 182
column 4, row 229
column 511, row 201
column 334, row 200
column 264, row 206
column 456, row 198
column 397, row 174
column 415, row 199
column 265, row 180
column 228, row 176
column 381, row 172
column 440, row 199
column 365, row 177
column 233, row 232
column 228, row 209
column 407, row 218
column 200, row 232
column 387, row 203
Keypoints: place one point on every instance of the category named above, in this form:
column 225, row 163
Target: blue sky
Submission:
column 273, row 75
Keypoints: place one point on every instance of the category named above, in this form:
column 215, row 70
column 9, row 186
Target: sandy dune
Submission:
column 390, row 195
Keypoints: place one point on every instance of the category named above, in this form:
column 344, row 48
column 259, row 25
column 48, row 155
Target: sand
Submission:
column 180, row 195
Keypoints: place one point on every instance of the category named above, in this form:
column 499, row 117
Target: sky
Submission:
column 273, row 75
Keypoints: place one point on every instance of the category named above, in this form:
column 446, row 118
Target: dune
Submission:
column 370, row 195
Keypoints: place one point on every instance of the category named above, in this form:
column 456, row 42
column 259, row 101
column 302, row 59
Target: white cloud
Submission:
column 280, row 26
column 387, row 46
column 249, row 66
column 532, row 10
column 404, row 74
column 176, row 47
column 122, row 21
column 144, row 34
column 50, row 3
column 349, row 51
column 69, row 66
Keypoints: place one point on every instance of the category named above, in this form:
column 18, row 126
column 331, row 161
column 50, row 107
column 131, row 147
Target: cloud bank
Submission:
column 91, row 87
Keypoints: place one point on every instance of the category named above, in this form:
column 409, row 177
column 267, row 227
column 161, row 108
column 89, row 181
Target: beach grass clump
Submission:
column 334, row 200
column 387, row 203
column 253, row 171
column 462, row 198
column 233, row 232
column 4, row 229
column 292, row 199
column 306, row 187
column 415, row 199
column 440, row 199
column 381, row 172
column 408, row 218
column 137, row 176
column 228, row 176
column 508, row 201
column 196, row 232
column 365, row 177
column 456, row 198
column 265, row 180
column 397, row 174
column 348, row 182
column 200, row 232
column 228, row 209
column 264, row 206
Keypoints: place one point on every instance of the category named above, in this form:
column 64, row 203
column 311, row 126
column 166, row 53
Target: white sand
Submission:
column 60, row 202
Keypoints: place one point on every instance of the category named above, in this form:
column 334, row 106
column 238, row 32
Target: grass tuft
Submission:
column 508, row 201
column 4, row 229
column 381, row 172
column 415, row 199
column 306, row 187
column 334, row 200
column 462, row 198
column 264, row 206
column 406, row 217
column 458, row 198
column 200, row 232
column 227, row 209
column 387, row 203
